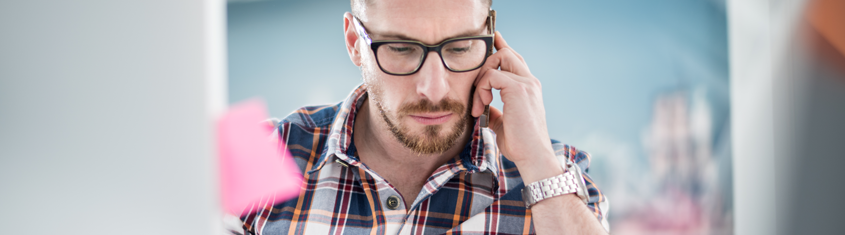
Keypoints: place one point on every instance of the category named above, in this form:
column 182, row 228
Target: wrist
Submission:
column 543, row 180
column 537, row 168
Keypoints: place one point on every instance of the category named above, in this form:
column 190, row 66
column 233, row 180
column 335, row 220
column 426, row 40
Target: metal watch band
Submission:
column 550, row 187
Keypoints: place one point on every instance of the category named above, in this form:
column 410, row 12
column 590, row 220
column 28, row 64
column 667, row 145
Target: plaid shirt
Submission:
column 477, row 192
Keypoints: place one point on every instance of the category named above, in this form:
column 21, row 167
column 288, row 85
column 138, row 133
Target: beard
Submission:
column 430, row 140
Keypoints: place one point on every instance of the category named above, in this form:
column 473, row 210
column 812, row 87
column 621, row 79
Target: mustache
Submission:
column 426, row 106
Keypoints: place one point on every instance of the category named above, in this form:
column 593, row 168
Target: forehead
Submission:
column 427, row 21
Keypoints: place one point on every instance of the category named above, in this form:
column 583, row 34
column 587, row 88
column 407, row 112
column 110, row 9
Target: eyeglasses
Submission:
column 405, row 57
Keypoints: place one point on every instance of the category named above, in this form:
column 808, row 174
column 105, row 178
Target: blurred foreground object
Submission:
column 253, row 173
column 827, row 17
column 788, row 94
column 812, row 81
column 107, row 116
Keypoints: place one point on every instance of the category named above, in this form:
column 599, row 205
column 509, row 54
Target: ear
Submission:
column 351, row 39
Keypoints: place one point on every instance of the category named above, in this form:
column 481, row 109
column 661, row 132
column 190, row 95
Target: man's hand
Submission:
column 521, row 129
column 523, row 138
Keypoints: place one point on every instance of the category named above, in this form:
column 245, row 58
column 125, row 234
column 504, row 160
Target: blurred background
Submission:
column 643, row 86
column 702, row 117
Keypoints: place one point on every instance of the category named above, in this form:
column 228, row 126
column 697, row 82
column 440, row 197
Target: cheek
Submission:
column 392, row 95
column 462, row 85
column 384, row 90
column 373, row 77
column 369, row 70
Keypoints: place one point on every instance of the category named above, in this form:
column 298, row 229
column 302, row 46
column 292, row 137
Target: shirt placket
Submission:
column 390, row 213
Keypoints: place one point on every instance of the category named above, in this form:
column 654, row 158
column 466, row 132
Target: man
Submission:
column 407, row 153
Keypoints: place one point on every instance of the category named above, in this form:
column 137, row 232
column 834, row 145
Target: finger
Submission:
column 501, row 44
column 507, row 59
column 477, row 104
column 508, row 74
column 484, row 90
column 492, row 79
column 512, row 62
column 492, row 62
column 496, row 122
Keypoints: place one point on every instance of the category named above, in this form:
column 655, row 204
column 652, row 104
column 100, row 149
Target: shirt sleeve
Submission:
column 598, row 202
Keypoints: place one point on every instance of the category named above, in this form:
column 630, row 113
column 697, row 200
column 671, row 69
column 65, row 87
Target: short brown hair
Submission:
column 358, row 5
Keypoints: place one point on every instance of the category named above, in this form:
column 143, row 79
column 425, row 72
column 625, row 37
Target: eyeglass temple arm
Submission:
column 491, row 17
column 361, row 31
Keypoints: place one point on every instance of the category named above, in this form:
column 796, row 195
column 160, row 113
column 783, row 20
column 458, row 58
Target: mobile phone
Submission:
column 491, row 24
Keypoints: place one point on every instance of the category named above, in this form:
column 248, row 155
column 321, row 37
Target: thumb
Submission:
column 496, row 122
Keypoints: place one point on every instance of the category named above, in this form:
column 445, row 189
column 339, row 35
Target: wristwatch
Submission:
column 569, row 182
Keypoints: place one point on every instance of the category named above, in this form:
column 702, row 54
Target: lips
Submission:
column 432, row 119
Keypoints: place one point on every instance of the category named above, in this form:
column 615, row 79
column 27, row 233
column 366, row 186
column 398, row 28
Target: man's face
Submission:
column 429, row 110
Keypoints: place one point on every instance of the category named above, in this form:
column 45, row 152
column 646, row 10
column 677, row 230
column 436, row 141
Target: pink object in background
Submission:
column 253, row 172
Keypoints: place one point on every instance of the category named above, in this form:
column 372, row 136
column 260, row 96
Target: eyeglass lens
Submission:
column 459, row 55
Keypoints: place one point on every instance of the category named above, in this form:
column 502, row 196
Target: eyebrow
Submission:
column 400, row 36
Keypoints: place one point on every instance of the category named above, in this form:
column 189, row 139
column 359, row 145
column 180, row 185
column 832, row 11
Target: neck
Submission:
column 376, row 145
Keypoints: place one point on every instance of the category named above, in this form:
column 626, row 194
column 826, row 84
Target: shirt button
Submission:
column 392, row 202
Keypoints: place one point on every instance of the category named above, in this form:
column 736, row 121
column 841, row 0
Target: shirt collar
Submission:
column 477, row 156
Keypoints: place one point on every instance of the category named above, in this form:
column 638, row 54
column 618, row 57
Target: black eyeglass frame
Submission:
column 374, row 45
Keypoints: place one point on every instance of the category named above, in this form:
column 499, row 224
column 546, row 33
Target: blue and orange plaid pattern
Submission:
column 477, row 192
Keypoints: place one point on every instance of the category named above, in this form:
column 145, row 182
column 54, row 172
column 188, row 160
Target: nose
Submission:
column 432, row 78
